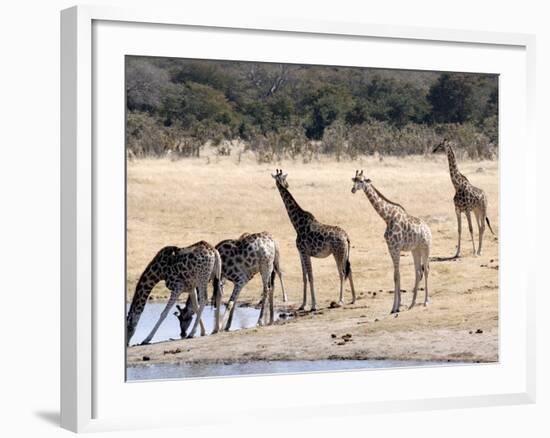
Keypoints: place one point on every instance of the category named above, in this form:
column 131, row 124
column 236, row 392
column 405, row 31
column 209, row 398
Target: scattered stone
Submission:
column 492, row 260
column 361, row 293
column 341, row 343
column 333, row 336
column 478, row 331
column 348, row 335
column 396, row 315
column 376, row 320
column 146, row 358
column 374, row 294
column 480, row 170
column 362, row 316
column 334, row 305
column 471, row 332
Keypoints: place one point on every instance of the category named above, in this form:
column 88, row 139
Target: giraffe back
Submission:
column 243, row 258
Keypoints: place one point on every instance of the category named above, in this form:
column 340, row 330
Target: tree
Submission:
column 145, row 85
column 325, row 106
column 452, row 98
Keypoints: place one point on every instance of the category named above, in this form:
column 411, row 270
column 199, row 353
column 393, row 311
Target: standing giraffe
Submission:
column 467, row 199
column 315, row 239
column 183, row 270
column 403, row 233
column 242, row 259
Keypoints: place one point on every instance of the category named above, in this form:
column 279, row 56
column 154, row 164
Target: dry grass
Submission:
column 181, row 202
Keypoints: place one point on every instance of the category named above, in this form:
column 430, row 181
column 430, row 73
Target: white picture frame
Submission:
column 92, row 392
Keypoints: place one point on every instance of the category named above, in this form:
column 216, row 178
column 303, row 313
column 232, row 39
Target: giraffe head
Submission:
column 442, row 146
column 359, row 181
column 185, row 317
column 280, row 178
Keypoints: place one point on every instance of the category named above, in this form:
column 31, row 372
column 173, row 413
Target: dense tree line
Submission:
column 290, row 110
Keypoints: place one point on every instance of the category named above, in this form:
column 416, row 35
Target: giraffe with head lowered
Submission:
column 314, row 239
column 186, row 269
column 467, row 198
column 242, row 259
column 403, row 233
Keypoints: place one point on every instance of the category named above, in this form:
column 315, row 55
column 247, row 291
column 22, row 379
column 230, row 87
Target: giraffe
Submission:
column 314, row 239
column 242, row 259
column 183, row 270
column 403, row 233
column 467, row 198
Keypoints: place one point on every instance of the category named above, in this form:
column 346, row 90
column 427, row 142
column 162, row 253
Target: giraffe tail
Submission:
column 347, row 268
column 489, row 224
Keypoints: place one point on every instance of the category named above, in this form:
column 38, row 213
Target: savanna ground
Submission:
column 214, row 198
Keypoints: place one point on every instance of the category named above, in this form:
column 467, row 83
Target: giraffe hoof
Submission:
column 191, row 336
column 145, row 343
column 411, row 306
column 302, row 307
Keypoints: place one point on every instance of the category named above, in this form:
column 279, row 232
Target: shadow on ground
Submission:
column 51, row 417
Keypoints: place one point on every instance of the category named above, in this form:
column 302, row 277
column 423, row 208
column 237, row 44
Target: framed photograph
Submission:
column 328, row 208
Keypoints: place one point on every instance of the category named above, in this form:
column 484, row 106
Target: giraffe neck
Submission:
column 383, row 206
column 151, row 276
column 295, row 212
column 456, row 176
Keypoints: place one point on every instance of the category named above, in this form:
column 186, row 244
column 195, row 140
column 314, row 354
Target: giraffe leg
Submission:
column 350, row 278
column 280, row 274
column 417, row 274
column 459, row 225
column 271, row 305
column 198, row 306
column 395, row 255
column 341, row 296
column 310, row 279
column 341, row 266
column 169, row 304
column 262, row 310
column 480, row 217
column 228, row 315
column 471, row 228
column 218, row 321
column 201, row 322
column 266, row 269
column 426, row 272
column 304, row 278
